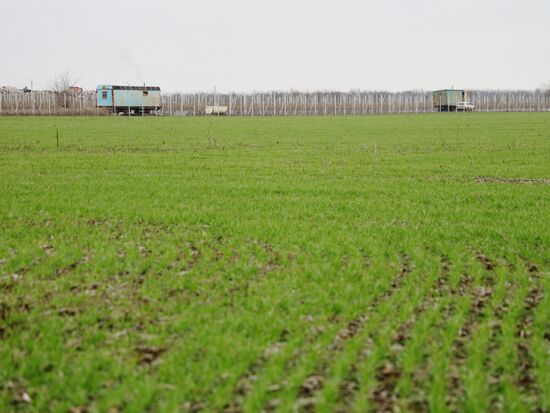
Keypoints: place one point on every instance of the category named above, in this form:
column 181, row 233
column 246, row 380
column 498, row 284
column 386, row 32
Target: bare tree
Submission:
column 60, row 85
column 62, row 82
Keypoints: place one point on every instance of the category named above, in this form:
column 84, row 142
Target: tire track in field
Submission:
column 481, row 295
column 314, row 383
column 420, row 377
column 495, row 324
column 383, row 396
column 527, row 381
column 421, row 383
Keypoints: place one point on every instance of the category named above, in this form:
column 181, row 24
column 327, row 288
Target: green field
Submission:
column 335, row 264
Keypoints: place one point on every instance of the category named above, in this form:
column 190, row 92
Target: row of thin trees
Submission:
column 18, row 102
column 276, row 103
column 324, row 103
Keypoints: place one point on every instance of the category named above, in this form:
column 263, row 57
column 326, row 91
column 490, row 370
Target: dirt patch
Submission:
column 270, row 266
column 193, row 407
column 79, row 409
column 532, row 268
column 195, row 256
column 487, row 263
column 348, row 388
column 308, row 391
column 67, row 312
column 349, row 331
column 273, row 261
column 524, row 181
column 526, row 374
column 149, row 354
column 18, row 393
column 383, row 395
column 184, row 262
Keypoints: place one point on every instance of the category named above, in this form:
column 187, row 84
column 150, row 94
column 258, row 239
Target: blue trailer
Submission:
column 129, row 100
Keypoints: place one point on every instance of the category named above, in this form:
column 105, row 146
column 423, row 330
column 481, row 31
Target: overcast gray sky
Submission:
column 246, row 45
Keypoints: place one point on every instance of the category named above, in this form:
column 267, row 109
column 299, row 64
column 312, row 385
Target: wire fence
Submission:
column 276, row 103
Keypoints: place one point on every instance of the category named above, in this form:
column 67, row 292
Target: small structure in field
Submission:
column 8, row 89
column 216, row 110
column 74, row 90
column 447, row 100
column 129, row 100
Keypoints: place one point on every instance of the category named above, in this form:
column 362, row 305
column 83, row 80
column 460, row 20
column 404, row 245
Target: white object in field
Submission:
column 465, row 106
column 216, row 110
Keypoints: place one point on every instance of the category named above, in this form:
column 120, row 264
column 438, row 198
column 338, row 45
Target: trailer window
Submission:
column 104, row 94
